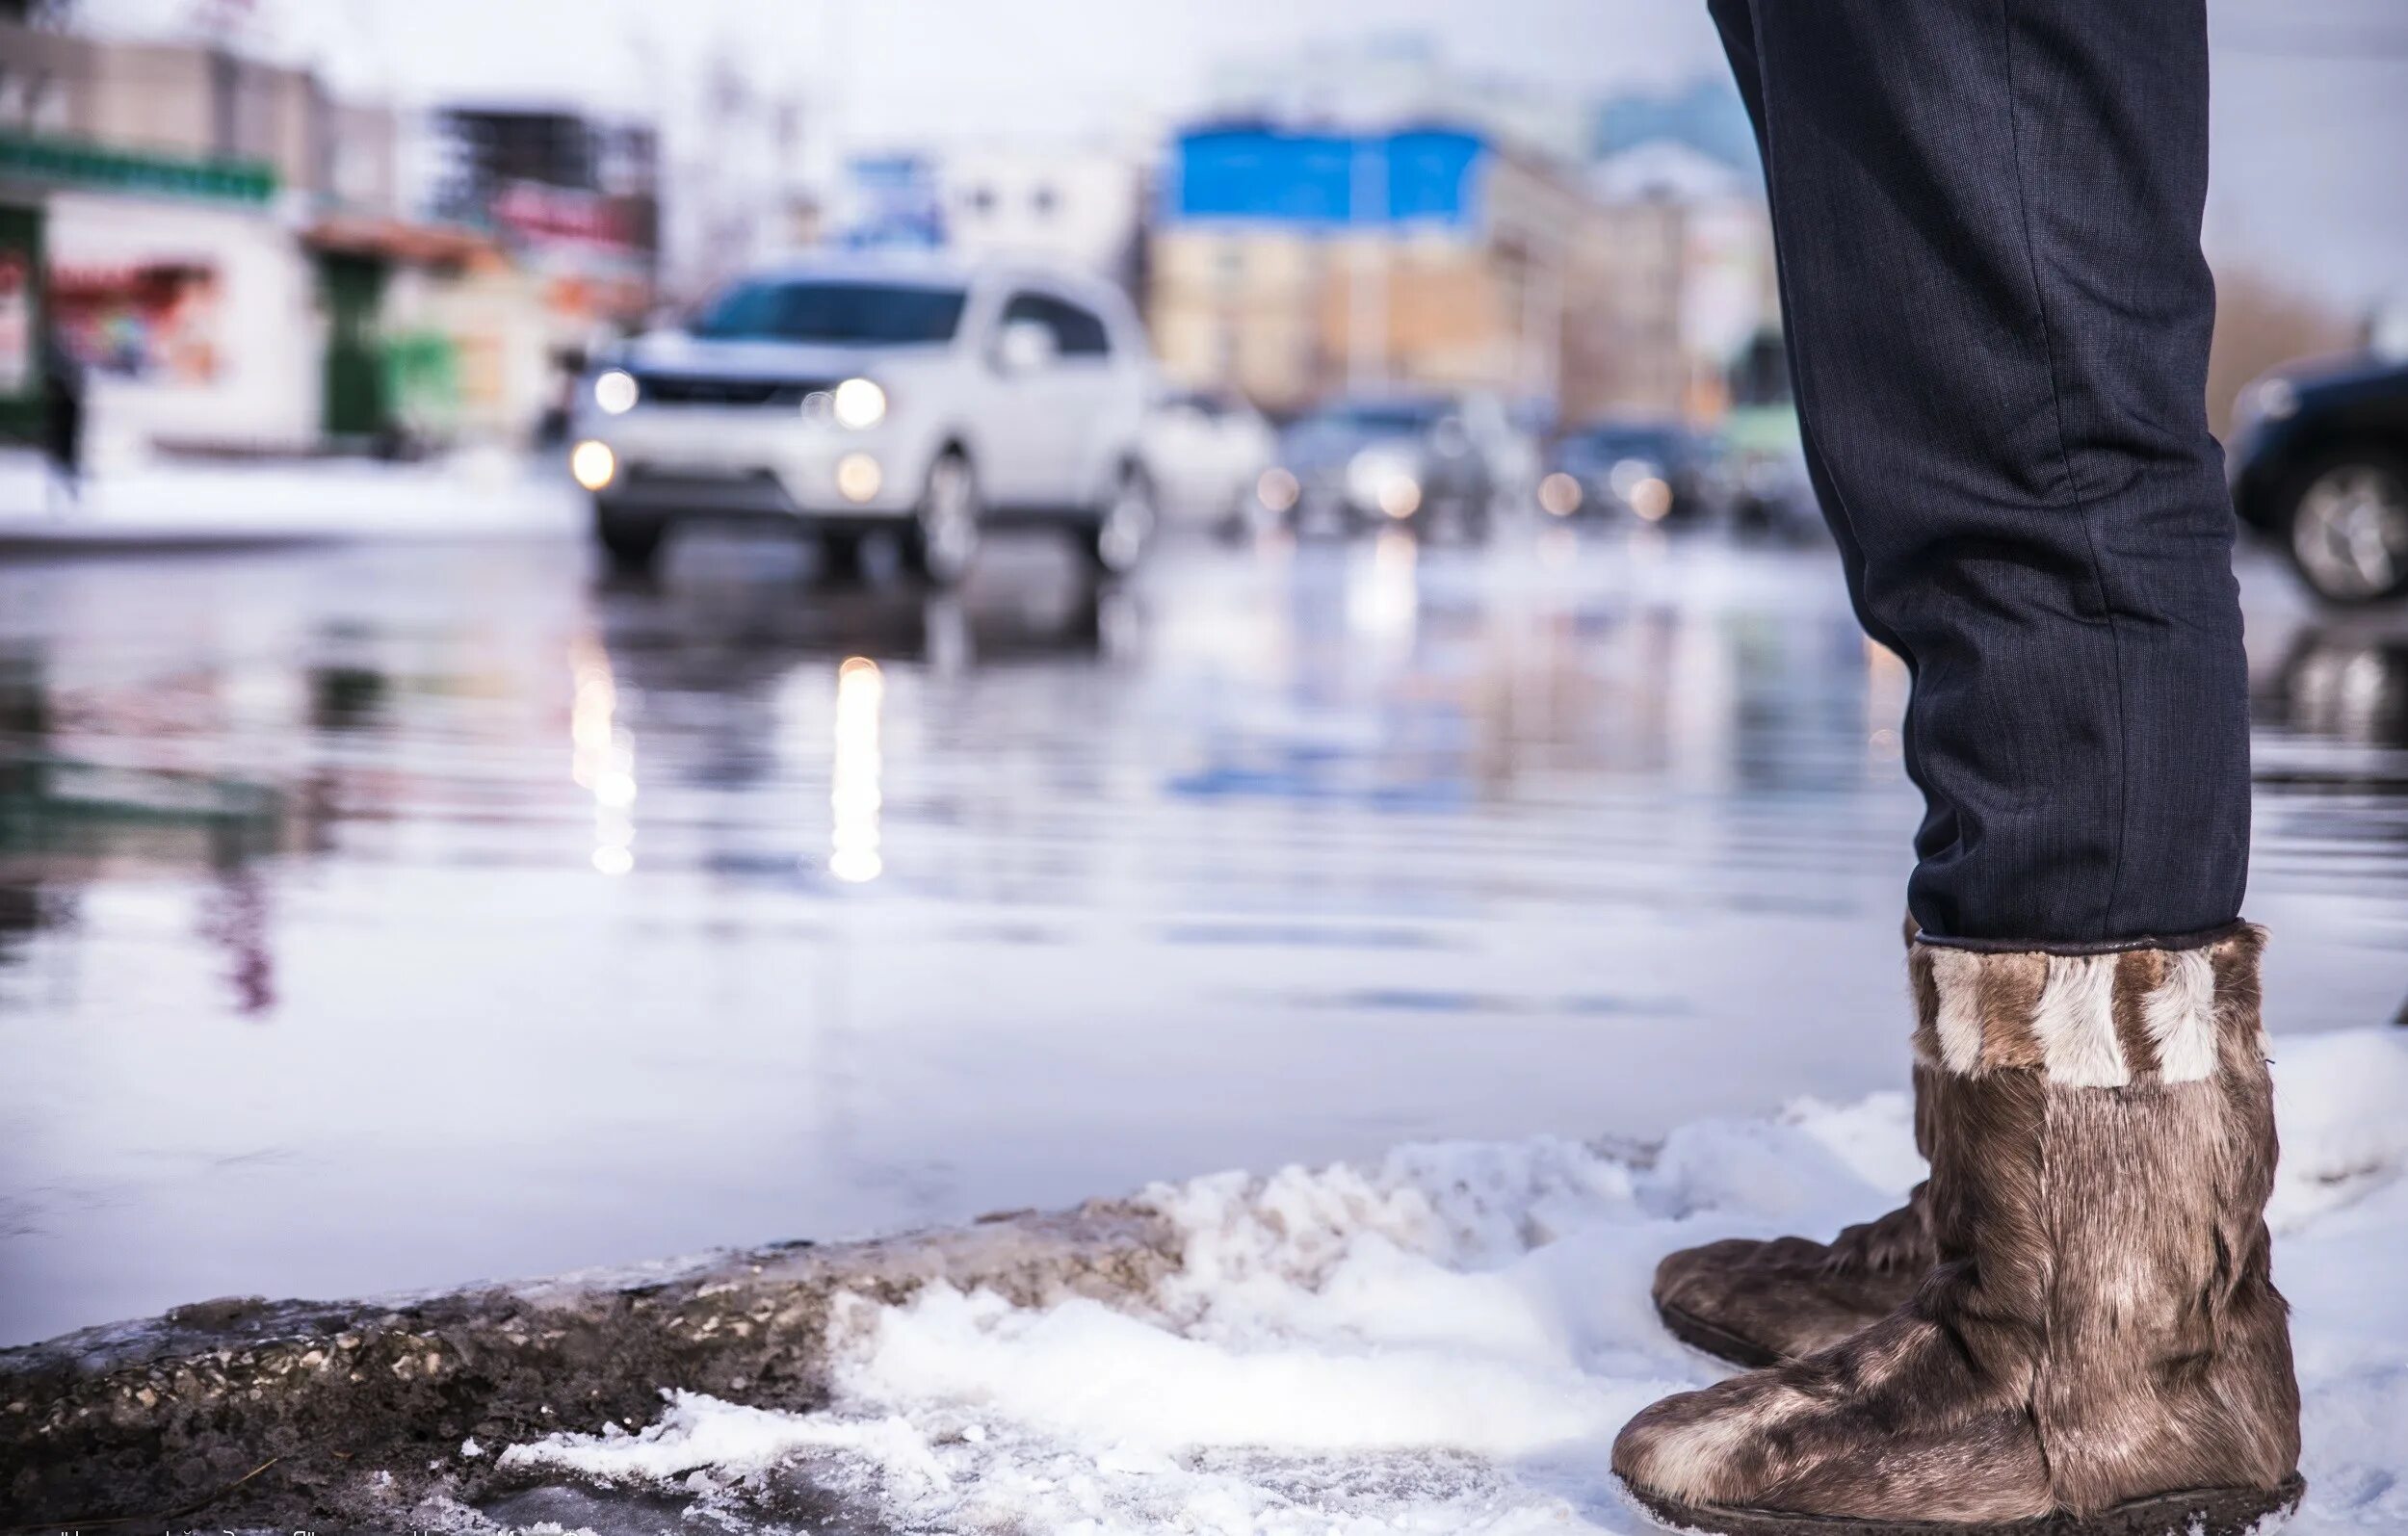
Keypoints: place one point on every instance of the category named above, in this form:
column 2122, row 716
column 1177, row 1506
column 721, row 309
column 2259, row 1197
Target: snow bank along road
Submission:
column 1444, row 1341
column 208, row 505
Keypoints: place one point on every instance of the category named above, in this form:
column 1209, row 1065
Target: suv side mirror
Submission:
column 1025, row 346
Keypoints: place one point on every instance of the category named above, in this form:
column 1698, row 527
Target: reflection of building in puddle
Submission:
column 73, row 818
column 602, row 756
column 68, row 823
column 853, row 793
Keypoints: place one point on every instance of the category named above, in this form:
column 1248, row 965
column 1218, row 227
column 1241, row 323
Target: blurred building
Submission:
column 571, row 199
column 243, row 262
column 1705, row 116
column 576, row 196
column 1077, row 206
column 1368, row 214
column 1686, row 285
column 743, row 166
column 1389, row 77
column 1289, row 263
column 158, row 188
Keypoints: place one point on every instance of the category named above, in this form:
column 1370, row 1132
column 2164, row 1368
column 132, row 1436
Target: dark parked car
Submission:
column 1392, row 458
column 2319, row 460
column 1655, row 471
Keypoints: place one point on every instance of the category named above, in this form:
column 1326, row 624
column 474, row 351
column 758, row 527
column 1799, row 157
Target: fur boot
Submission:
column 1761, row 1303
column 2100, row 1350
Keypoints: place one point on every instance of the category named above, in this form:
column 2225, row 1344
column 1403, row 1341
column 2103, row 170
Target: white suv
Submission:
column 852, row 394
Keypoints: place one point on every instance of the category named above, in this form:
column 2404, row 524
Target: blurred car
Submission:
column 2319, row 460
column 1207, row 450
column 852, row 394
column 1392, row 458
column 1771, row 492
column 1652, row 470
column 1516, row 436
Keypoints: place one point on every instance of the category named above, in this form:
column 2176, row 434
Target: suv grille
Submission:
column 688, row 389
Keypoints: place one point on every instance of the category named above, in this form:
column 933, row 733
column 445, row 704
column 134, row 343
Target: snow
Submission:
column 1446, row 1341
column 470, row 494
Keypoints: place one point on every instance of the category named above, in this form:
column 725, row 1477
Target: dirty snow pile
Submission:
column 1448, row 1340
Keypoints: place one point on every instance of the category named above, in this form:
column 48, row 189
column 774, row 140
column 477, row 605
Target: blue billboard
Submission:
column 1431, row 177
column 895, row 203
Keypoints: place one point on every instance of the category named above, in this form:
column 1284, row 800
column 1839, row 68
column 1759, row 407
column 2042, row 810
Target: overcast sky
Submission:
column 2311, row 111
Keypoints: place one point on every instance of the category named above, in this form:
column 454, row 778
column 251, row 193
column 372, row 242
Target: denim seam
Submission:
column 2073, row 483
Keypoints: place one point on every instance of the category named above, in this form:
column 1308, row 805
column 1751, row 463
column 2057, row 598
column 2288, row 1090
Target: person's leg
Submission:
column 1988, row 219
column 71, row 450
column 1987, row 212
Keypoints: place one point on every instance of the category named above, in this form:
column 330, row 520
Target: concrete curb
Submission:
column 157, row 1419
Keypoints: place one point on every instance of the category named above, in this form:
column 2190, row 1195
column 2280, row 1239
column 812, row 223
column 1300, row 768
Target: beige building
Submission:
column 205, row 104
column 1544, row 296
column 1626, row 354
column 169, row 183
column 1685, row 283
column 243, row 262
column 1625, row 293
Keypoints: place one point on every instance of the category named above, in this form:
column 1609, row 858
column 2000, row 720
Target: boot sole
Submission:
column 2197, row 1512
column 1718, row 1342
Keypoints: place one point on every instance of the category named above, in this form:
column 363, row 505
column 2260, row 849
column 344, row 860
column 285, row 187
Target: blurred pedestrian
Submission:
column 62, row 417
column 1987, row 213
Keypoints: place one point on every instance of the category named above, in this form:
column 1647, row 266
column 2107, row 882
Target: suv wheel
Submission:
column 632, row 549
column 2348, row 526
column 943, row 537
column 1121, row 535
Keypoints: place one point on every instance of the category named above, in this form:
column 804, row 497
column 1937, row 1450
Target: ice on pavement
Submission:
column 1448, row 1340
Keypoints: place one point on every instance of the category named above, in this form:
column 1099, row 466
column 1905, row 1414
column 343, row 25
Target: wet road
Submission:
column 389, row 918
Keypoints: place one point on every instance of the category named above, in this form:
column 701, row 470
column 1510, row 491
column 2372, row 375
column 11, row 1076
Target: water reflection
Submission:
column 1383, row 597
column 346, row 693
column 75, row 810
column 2341, row 686
column 373, row 918
column 853, row 797
column 234, row 918
column 602, row 759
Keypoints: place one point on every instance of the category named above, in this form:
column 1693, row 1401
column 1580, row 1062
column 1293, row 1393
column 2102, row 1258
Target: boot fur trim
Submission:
column 2086, row 1020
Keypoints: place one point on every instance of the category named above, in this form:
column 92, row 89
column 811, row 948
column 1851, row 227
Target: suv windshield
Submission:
column 854, row 313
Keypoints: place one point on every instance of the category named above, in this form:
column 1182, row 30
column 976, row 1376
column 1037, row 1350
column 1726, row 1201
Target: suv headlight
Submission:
column 615, row 391
column 859, row 402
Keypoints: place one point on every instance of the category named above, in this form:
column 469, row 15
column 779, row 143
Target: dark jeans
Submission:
column 1988, row 218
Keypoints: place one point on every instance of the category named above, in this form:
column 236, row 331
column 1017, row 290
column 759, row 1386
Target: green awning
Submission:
column 97, row 167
